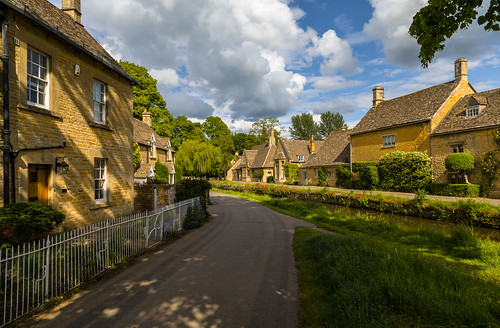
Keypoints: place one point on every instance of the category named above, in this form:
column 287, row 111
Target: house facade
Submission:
column 406, row 123
column 69, row 121
column 293, row 152
column 152, row 149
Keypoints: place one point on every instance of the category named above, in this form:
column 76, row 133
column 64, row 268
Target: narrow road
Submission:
column 238, row 270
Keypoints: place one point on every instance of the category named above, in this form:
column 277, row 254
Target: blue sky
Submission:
column 243, row 60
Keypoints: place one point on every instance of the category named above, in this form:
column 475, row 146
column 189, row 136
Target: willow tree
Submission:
column 199, row 158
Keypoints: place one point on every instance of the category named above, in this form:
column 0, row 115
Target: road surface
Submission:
column 238, row 270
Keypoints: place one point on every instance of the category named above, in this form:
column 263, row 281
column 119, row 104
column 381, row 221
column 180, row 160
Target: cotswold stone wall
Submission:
column 144, row 199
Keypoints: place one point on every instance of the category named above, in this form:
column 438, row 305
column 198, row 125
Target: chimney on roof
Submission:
column 312, row 146
column 271, row 141
column 73, row 9
column 146, row 117
column 344, row 127
column 378, row 95
column 461, row 70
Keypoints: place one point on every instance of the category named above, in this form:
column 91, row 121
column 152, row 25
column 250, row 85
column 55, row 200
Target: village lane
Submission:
column 238, row 270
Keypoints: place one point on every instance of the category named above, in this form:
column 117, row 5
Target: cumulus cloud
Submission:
column 335, row 83
column 342, row 105
column 181, row 103
column 166, row 76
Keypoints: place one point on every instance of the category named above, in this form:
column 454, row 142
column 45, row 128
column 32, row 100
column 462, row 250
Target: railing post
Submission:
column 180, row 214
column 47, row 268
column 146, row 231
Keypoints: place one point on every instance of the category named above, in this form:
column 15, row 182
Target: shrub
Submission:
column 22, row 222
column 291, row 182
column 457, row 190
column 161, row 172
column 270, row 179
column 322, row 175
column 489, row 170
column 137, row 156
column 291, row 171
column 362, row 165
column 369, row 178
column 459, row 162
column 343, row 175
column 195, row 217
column 178, row 174
column 258, row 174
column 406, row 172
column 191, row 188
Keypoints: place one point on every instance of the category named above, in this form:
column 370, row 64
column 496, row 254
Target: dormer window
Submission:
column 152, row 142
column 472, row 111
column 300, row 158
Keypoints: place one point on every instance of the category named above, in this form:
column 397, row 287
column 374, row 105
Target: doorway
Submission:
column 38, row 183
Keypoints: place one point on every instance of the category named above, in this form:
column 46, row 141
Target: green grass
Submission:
column 359, row 281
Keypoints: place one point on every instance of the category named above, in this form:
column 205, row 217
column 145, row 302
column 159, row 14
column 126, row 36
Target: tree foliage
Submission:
column 183, row 130
column 244, row 141
column 292, row 171
column 440, row 19
column 262, row 128
column 406, row 172
column 137, row 156
column 214, row 127
column 199, row 158
column 330, row 122
column 303, row 127
column 161, row 172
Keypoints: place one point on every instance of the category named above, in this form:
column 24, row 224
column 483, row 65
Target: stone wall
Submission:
column 144, row 199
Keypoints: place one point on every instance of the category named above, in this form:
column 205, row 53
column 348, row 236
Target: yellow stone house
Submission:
column 67, row 124
column 293, row 152
column 405, row 123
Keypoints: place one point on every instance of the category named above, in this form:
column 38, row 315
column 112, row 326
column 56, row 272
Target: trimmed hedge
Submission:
column 406, row 172
column 362, row 165
column 457, row 190
column 459, row 162
column 344, row 175
column 191, row 188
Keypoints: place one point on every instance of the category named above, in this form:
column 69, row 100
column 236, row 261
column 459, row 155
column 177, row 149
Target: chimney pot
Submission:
column 378, row 95
column 461, row 70
column 73, row 9
column 146, row 117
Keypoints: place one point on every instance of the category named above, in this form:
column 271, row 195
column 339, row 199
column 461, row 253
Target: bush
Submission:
column 137, row 156
column 291, row 182
column 362, row 165
column 270, row 179
column 291, row 171
column 195, row 217
column 22, row 222
column 178, row 174
column 457, row 190
column 191, row 188
column 369, row 177
column 322, row 175
column 406, row 172
column 459, row 162
column 258, row 174
column 161, row 173
column 343, row 175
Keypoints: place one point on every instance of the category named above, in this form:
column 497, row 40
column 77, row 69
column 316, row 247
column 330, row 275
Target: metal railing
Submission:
column 32, row 273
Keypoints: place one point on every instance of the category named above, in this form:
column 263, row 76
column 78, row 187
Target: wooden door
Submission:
column 38, row 183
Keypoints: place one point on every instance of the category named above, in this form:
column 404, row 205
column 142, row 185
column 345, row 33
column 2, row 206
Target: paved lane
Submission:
column 236, row 271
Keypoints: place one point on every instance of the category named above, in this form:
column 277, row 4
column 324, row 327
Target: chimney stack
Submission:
column 378, row 95
column 312, row 146
column 146, row 117
column 73, row 9
column 271, row 141
column 461, row 70
column 344, row 127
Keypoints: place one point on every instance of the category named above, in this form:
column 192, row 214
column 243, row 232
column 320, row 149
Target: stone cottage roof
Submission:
column 457, row 121
column 248, row 158
column 62, row 25
column 264, row 157
column 335, row 151
column 143, row 132
column 412, row 108
column 293, row 148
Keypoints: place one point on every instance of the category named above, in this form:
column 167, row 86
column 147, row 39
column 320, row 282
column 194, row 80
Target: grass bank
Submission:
column 357, row 281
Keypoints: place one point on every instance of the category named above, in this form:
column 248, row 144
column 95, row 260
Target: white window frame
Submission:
column 457, row 148
column 100, row 185
column 99, row 101
column 473, row 111
column 300, row 158
column 34, row 81
column 389, row 141
column 152, row 143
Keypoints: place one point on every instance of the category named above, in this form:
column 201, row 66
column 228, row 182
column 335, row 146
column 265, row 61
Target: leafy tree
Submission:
column 440, row 19
column 199, row 158
column 303, row 127
column 137, row 156
column 214, row 127
column 147, row 96
column 244, row 141
column 258, row 174
column 291, row 171
column 184, row 129
column 460, row 162
column 330, row 122
column 262, row 128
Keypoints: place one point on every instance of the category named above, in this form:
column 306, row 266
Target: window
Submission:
column 389, row 140
column 472, row 111
column 457, row 178
column 152, row 142
column 99, row 102
column 458, row 148
column 300, row 158
column 100, row 179
column 38, row 78
column 330, row 175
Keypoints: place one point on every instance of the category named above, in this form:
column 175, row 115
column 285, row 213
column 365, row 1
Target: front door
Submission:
column 38, row 183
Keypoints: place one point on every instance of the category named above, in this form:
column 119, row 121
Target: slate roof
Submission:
column 412, row 108
column 292, row 148
column 142, row 135
column 55, row 20
column 264, row 157
column 248, row 157
column 489, row 116
column 334, row 151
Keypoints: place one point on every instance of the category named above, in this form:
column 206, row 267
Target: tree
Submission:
column 199, row 158
column 244, row 141
column 184, row 129
column 147, row 96
column 330, row 122
column 214, row 127
column 303, row 127
column 460, row 162
column 262, row 128
column 440, row 19
column 137, row 156
column 161, row 173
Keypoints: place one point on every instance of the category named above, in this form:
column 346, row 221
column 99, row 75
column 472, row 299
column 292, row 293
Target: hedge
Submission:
column 457, row 190
column 406, row 172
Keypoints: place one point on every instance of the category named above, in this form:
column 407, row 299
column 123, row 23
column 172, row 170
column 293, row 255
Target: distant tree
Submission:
column 184, row 129
column 303, row 127
column 226, row 145
column 244, row 141
column 199, row 158
column 147, row 96
column 214, row 127
column 440, row 19
column 262, row 128
column 330, row 122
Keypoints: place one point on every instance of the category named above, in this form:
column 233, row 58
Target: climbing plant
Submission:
column 490, row 165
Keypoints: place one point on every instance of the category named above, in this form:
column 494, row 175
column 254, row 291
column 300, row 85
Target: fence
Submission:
column 32, row 273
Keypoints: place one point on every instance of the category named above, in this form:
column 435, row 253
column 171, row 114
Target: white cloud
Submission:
column 335, row 83
column 337, row 54
column 166, row 76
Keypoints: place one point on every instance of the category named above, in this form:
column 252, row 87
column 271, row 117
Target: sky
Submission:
column 243, row 60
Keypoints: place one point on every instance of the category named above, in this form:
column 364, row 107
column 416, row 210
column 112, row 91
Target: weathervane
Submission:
column 383, row 78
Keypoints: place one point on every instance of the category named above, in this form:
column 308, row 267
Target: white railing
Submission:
column 33, row 273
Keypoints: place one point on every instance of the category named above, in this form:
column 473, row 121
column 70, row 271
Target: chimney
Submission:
column 271, row 141
column 73, row 9
column 378, row 95
column 146, row 117
column 344, row 127
column 312, row 146
column 461, row 70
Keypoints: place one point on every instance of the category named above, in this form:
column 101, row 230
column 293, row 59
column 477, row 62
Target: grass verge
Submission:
column 358, row 281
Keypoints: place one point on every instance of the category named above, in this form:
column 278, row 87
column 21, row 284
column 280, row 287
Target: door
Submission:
column 38, row 183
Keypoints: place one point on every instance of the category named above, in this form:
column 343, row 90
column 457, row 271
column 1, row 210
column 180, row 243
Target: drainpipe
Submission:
column 6, row 115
